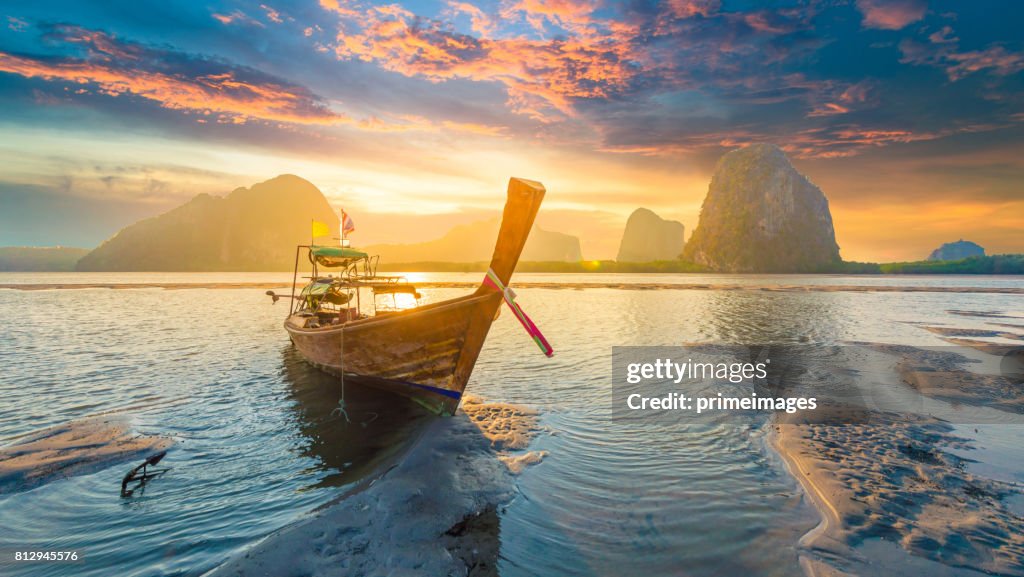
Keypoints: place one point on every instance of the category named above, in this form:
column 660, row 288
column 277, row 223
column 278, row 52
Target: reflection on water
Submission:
column 260, row 442
column 347, row 440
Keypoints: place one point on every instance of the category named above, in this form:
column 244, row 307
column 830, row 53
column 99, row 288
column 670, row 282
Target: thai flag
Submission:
column 347, row 225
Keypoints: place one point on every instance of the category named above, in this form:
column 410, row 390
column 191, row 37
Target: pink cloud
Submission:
column 236, row 16
column 891, row 14
column 691, row 8
column 994, row 59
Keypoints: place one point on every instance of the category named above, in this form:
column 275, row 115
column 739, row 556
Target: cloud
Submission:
column 891, row 14
column 995, row 59
column 16, row 24
column 542, row 77
column 236, row 17
column 272, row 14
column 481, row 23
column 551, row 56
column 210, row 89
column 943, row 52
column 691, row 8
column 844, row 100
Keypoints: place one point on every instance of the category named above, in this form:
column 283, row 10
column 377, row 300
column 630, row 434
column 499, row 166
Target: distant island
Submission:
column 957, row 250
column 648, row 237
column 760, row 216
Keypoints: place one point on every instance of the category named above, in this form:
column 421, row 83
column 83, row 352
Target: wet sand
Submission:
column 433, row 511
column 73, row 448
column 891, row 478
column 557, row 285
column 888, row 484
column 985, row 333
column 941, row 374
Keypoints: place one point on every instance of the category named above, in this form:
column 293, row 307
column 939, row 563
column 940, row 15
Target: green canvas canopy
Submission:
column 337, row 252
column 334, row 256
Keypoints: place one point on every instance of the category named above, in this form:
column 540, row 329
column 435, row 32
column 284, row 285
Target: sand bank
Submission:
column 434, row 511
column 888, row 482
column 890, row 478
column 74, row 448
column 556, row 285
column 939, row 373
column 968, row 332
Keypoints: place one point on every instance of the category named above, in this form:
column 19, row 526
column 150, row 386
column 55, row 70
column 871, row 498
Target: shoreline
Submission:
column 790, row 288
column 827, row 514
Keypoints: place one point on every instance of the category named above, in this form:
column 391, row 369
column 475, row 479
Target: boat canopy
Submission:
column 332, row 256
column 337, row 252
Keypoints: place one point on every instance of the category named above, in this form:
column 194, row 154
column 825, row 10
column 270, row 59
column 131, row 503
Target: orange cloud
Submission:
column 221, row 94
column 272, row 14
column 542, row 77
column 481, row 23
column 691, row 8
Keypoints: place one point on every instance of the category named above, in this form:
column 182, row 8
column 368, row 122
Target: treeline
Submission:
column 994, row 264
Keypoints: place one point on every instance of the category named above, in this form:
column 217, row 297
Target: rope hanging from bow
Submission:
column 510, row 298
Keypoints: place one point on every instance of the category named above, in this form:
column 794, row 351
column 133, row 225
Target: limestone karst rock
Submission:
column 761, row 215
column 251, row 229
column 648, row 237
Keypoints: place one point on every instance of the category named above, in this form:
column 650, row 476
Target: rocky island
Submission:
column 957, row 250
column 761, row 215
column 648, row 237
column 251, row 229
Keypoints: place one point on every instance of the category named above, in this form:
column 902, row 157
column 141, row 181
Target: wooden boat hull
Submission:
column 426, row 353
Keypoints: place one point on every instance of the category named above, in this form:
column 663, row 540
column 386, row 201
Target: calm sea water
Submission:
column 259, row 444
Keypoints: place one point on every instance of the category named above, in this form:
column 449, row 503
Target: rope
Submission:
column 341, row 403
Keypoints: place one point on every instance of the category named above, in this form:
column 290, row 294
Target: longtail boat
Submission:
column 425, row 352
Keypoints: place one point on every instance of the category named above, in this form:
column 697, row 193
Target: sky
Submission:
column 909, row 114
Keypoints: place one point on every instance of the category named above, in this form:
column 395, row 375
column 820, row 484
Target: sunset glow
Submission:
column 909, row 117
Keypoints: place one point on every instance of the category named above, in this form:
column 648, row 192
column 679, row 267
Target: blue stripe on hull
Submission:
column 450, row 394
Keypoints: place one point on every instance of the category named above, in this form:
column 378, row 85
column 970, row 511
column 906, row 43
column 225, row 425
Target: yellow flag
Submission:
column 320, row 229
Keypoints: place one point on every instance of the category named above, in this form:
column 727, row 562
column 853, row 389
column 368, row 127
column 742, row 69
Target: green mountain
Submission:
column 250, row 229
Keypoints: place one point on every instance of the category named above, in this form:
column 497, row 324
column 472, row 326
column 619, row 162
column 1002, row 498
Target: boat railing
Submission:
column 357, row 274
